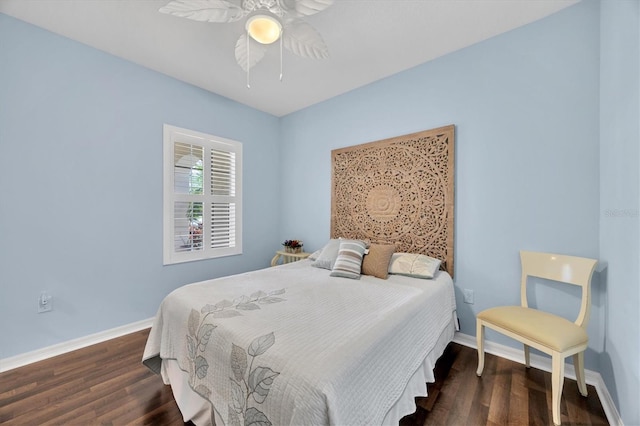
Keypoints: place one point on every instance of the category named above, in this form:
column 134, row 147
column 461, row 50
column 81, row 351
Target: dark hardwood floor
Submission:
column 508, row 393
column 107, row 384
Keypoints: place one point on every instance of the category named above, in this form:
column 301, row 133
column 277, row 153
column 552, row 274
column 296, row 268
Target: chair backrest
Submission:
column 558, row 267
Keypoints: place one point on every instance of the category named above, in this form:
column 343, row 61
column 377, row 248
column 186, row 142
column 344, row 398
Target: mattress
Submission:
column 292, row 345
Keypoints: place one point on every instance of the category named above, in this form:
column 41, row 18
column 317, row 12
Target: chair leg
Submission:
column 480, row 344
column 557, row 382
column 578, row 363
column 527, row 356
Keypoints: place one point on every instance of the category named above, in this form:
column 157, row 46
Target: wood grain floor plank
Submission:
column 462, row 395
column 499, row 405
column 539, row 409
column 518, row 398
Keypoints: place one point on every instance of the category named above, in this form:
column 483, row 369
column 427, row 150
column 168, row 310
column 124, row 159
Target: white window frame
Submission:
column 171, row 136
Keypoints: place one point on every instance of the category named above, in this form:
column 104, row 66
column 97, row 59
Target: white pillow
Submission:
column 413, row 265
column 315, row 254
column 328, row 255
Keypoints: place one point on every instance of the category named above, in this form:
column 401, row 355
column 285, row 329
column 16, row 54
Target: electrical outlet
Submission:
column 45, row 302
column 468, row 295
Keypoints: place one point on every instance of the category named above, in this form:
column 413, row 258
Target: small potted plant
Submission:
column 292, row 246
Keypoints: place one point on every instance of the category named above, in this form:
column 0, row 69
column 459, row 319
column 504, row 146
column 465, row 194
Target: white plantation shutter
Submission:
column 223, row 225
column 223, row 173
column 202, row 196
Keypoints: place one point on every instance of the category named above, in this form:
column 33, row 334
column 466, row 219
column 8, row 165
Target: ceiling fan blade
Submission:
column 257, row 52
column 303, row 40
column 204, row 10
column 305, row 7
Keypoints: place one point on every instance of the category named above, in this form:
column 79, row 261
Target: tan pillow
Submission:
column 376, row 262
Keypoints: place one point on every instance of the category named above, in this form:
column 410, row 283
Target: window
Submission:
column 202, row 196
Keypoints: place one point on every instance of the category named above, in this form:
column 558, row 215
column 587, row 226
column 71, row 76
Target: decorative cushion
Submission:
column 376, row 261
column 349, row 261
column 315, row 254
column 413, row 265
column 328, row 255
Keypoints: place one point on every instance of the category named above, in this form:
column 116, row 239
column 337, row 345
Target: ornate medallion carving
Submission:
column 398, row 190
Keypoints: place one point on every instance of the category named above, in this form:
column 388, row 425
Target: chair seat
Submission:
column 552, row 331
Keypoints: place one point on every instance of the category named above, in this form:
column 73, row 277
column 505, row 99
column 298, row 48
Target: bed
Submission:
column 306, row 343
column 293, row 345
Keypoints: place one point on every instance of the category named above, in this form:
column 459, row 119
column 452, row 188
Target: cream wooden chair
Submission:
column 544, row 331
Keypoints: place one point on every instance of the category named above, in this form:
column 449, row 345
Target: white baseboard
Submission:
column 544, row 363
column 71, row 345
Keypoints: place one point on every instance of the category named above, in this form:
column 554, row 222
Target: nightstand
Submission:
column 288, row 257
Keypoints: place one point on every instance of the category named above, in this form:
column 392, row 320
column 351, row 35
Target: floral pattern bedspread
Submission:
column 291, row 345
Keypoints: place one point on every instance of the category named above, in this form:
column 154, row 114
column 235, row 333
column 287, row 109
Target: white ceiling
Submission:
column 367, row 40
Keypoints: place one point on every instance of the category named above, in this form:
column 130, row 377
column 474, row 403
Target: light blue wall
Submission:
column 620, row 201
column 547, row 142
column 81, row 186
column 525, row 106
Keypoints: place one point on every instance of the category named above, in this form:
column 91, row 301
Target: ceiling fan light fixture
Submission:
column 264, row 29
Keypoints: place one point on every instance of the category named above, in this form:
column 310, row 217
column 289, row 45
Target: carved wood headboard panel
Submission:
column 398, row 190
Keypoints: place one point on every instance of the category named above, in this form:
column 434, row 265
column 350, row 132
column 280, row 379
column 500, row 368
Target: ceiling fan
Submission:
column 266, row 22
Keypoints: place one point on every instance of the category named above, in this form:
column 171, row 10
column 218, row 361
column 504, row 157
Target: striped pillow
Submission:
column 349, row 261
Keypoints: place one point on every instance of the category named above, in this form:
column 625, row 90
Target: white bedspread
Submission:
column 290, row 345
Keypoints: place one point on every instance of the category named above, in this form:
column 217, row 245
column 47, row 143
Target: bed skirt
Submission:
column 198, row 410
